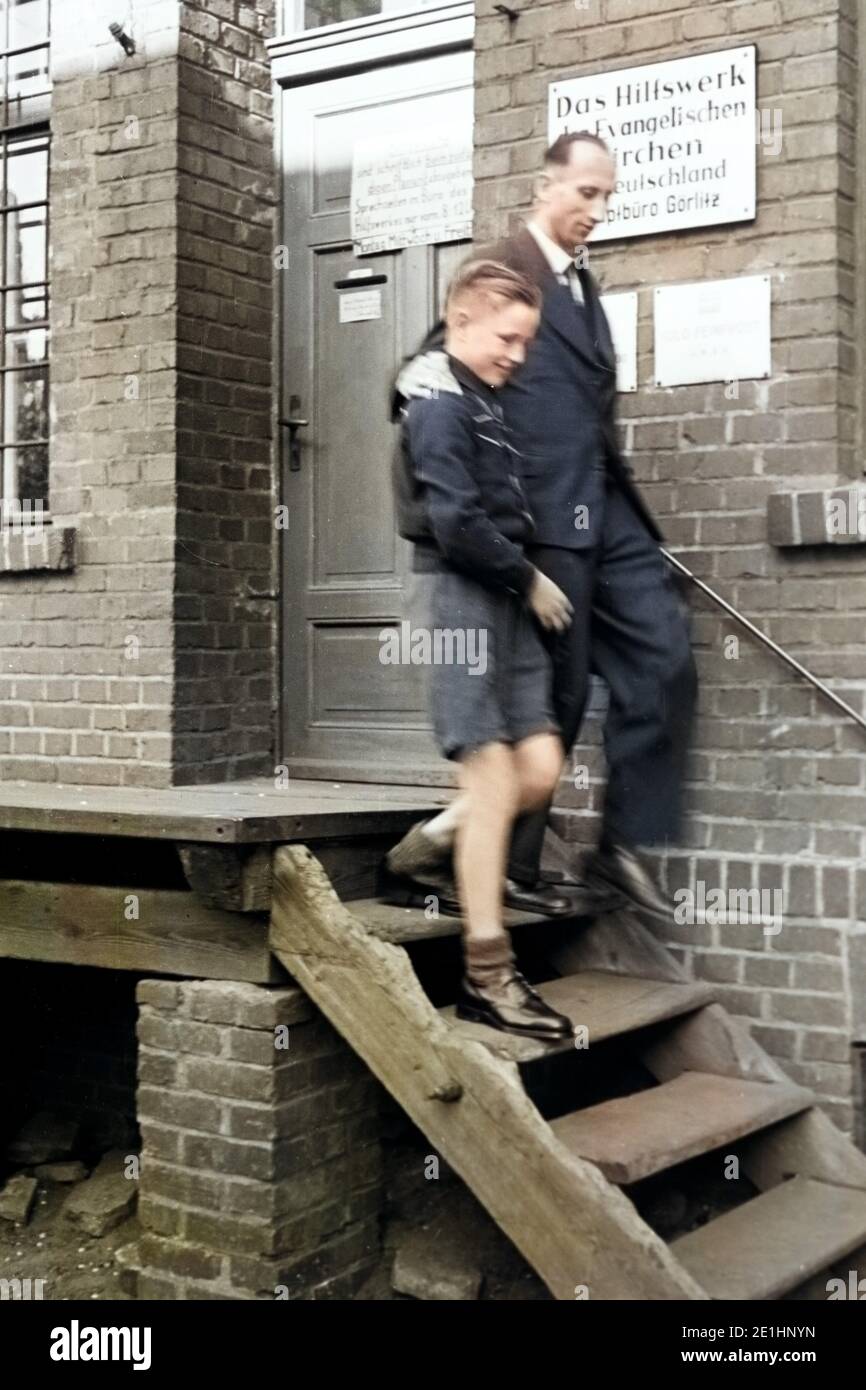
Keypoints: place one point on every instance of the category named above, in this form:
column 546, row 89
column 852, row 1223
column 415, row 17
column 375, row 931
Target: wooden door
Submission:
column 344, row 570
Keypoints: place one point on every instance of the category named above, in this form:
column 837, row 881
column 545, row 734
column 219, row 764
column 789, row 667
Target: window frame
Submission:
column 13, row 505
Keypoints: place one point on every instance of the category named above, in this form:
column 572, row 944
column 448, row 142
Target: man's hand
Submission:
column 549, row 603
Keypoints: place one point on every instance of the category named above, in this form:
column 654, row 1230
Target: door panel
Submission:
column 355, row 539
column 343, row 567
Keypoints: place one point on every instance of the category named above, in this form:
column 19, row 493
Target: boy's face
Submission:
column 491, row 336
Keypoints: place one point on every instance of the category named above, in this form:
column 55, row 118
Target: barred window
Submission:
column 25, row 89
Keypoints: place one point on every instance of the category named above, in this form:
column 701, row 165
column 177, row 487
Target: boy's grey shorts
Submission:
column 490, row 676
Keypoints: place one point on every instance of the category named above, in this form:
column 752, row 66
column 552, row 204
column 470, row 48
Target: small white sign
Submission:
column 713, row 331
column 360, row 304
column 621, row 311
column 684, row 133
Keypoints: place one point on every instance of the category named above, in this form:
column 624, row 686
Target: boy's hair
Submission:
column 560, row 151
column 491, row 280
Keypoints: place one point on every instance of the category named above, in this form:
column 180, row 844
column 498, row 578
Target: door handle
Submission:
column 293, row 424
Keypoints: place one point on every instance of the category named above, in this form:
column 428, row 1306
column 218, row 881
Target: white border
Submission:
column 361, row 43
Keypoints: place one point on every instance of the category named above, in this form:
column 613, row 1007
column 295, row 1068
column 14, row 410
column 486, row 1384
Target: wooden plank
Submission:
column 173, row 934
column 770, row 1244
column 389, row 922
column 809, row 1144
column 234, row 877
column 619, row 943
column 440, row 776
column 606, row 1005
column 711, row 1040
column 353, row 865
column 650, row 1131
column 566, row 1219
column 252, row 812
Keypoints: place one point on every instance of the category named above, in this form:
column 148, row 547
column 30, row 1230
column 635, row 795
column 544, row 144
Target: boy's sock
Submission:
column 489, row 960
column 442, row 828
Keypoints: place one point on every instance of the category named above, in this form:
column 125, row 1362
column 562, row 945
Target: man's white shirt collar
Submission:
column 557, row 259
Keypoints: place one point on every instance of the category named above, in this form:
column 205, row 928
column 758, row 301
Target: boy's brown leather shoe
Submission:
column 512, row 1006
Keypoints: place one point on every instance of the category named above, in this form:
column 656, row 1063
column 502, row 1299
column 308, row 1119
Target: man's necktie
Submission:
column 583, row 301
column 572, row 279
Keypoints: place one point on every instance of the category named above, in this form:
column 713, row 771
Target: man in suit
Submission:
column 597, row 540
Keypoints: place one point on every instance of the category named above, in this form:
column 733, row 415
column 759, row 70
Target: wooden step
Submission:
column 652, row 1130
column 403, row 925
column 608, row 1005
column 774, row 1242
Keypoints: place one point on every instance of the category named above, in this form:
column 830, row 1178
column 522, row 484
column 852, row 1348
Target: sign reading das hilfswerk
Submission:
column 684, row 135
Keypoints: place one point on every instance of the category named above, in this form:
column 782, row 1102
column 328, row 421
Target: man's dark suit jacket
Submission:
column 561, row 405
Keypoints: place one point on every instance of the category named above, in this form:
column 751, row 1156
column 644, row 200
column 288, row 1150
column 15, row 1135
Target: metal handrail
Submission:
column 767, row 641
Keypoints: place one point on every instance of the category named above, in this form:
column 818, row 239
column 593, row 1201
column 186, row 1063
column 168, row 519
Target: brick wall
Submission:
column 225, row 593
column 777, row 791
column 261, row 1171
column 151, row 660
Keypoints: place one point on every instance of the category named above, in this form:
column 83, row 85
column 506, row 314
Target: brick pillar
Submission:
column 160, row 594
column 226, row 581
column 261, row 1171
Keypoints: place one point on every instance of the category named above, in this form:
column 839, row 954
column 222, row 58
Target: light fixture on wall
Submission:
column 126, row 43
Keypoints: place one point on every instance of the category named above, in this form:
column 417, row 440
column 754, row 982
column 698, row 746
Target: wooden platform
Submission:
column 249, row 812
column 177, row 880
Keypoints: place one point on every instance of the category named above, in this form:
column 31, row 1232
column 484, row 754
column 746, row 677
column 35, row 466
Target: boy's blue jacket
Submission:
column 457, row 486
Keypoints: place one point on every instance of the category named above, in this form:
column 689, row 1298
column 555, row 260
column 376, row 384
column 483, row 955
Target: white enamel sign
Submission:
column 621, row 311
column 684, row 133
column 713, row 331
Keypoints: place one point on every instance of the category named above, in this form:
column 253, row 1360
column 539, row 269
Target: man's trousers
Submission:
column 630, row 627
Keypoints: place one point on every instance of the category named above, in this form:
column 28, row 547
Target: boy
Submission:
column 460, row 500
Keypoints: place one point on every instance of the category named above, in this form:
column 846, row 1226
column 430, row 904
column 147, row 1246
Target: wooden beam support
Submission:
column 165, row 931
column 236, row 878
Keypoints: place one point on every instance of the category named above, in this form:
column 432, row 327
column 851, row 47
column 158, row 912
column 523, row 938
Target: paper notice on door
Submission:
column 412, row 188
column 360, row 304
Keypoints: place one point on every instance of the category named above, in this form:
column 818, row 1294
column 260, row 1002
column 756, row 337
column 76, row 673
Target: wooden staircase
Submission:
column 689, row 1081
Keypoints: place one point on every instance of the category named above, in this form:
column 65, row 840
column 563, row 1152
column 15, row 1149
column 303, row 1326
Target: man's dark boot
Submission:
column 425, row 867
column 543, row 898
column 618, row 867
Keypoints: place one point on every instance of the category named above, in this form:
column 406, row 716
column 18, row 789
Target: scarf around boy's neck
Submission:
column 468, row 378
